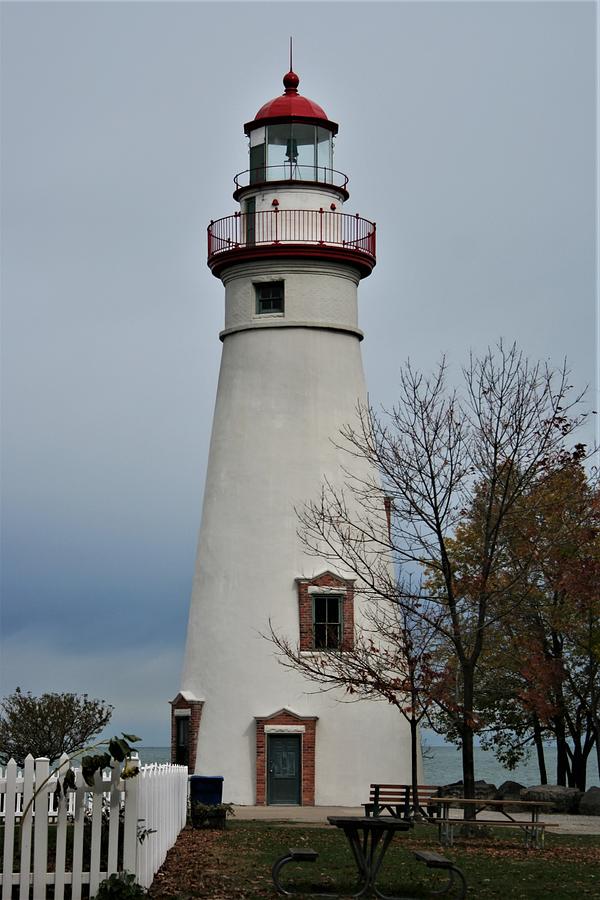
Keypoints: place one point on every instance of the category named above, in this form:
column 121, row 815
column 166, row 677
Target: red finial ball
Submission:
column 291, row 82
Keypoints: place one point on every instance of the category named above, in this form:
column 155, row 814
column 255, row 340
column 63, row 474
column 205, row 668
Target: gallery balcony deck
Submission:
column 289, row 233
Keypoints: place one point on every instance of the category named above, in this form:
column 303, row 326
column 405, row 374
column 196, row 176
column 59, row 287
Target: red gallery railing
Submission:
column 291, row 226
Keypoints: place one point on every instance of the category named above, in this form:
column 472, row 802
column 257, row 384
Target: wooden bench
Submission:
column 435, row 861
column 534, row 832
column 294, row 854
column 397, row 800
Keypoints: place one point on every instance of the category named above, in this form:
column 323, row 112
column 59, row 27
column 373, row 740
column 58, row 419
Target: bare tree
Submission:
column 394, row 657
column 434, row 457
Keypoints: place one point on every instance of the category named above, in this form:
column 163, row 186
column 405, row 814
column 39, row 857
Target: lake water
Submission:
column 442, row 765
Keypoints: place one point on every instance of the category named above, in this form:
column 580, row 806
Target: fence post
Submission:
column 130, row 825
column 10, row 799
column 61, row 835
column 26, row 828
column 78, row 826
column 113, row 826
column 96, row 837
column 40, row 827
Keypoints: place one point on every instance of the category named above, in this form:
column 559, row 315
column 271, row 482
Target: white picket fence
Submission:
column 154, row 799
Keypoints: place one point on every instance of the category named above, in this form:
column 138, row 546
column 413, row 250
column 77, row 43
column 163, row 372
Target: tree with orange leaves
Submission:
column 540, row 676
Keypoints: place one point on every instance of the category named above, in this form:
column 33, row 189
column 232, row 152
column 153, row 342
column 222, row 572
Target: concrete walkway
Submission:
column 317, row 815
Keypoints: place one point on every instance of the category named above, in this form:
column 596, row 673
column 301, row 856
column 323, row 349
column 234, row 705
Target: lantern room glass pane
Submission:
column 257, row 163
column 257, row 155
column 280, row 152
column 324, row 155
column 305, row 149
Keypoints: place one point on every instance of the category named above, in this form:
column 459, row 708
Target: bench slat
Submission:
column 303, row 854
column 433, row 787
column 500, row 823
column 389, row 795
column 433, row 860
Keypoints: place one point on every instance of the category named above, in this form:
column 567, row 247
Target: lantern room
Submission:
column 291, row 139
column 291, row 198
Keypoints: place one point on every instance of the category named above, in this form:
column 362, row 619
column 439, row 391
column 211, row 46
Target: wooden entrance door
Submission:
column 283, row 769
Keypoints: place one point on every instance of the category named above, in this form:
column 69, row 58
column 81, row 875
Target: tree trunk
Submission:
column 562, row 756
column 539, row 746
column 468, row 757
column 581, row 752
column 596, row 730
column 414, row 770
column 577, row 778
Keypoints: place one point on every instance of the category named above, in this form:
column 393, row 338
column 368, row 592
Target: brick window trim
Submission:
column 264, row 727
column 329, row 583
column 182, row 704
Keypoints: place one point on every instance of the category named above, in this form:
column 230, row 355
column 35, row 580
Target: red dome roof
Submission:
column 291, row 104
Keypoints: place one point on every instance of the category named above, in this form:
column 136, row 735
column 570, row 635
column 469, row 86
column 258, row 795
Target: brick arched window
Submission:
column 326, row 612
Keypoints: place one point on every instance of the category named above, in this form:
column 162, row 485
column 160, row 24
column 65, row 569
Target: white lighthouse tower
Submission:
column 291, row 376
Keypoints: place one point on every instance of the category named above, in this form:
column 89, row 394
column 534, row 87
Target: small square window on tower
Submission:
column 269, row 298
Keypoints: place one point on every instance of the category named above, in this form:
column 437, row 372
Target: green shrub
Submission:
column 120, row 887
column 210, row 815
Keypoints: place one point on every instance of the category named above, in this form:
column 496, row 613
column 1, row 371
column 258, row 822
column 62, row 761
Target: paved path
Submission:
column 317, row 815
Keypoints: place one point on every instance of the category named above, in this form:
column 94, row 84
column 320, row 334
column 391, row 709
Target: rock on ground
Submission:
column 564, row 799
column 511, row 790
column 589, row 805
column 483, row 790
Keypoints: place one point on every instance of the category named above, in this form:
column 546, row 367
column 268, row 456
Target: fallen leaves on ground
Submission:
column 202, row 865
column 235, row 864
column 520, row 852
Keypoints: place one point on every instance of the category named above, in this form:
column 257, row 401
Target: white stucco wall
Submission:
column 296, row 197
column 283, row 393
column 315, row 293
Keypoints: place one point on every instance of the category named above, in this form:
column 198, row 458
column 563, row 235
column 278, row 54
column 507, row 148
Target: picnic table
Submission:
column 533, row 830
column 369, row 837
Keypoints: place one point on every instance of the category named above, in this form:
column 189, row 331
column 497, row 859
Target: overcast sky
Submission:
column 468, row 131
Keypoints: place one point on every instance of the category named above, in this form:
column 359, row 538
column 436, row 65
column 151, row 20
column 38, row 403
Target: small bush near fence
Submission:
column 64, row 851
column 120, row 887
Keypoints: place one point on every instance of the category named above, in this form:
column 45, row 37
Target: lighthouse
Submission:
column 290, row 259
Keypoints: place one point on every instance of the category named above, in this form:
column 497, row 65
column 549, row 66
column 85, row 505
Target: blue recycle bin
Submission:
column 206, row 789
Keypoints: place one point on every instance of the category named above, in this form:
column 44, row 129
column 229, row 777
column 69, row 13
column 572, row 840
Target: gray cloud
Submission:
column 468, row 131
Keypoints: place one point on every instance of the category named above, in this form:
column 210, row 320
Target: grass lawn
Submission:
column 236, row 863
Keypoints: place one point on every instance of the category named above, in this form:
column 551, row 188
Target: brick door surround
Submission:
column 285, row 721
column 186, row 703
